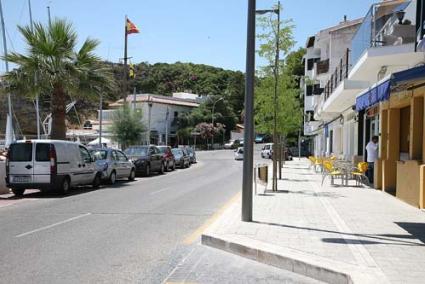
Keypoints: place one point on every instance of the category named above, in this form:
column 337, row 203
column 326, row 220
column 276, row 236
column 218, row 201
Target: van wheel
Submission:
column 18, row 192
column 64, row 187
column 113, row 177
column 132, row 175
column 96, row 181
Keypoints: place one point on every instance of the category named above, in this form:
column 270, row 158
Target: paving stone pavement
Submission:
column 358, row 226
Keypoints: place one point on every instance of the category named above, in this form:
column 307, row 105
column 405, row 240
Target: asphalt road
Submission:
column 147, row 231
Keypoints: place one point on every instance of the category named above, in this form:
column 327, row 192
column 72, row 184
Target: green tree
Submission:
column 127, row 126
column 54, row 66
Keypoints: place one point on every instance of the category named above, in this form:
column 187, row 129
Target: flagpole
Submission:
column 125, row 61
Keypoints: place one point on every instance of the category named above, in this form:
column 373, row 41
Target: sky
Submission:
column 209, row 32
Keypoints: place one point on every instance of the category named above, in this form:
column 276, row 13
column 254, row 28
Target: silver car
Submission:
column 113, row 164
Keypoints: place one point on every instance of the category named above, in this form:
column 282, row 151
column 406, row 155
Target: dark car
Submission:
column 181, row 157
column 146, row 159
column 170, row 163
column 263, row 138
column 191, row 152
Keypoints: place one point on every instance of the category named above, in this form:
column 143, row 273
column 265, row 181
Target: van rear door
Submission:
column 21, row 166
column 42, row 162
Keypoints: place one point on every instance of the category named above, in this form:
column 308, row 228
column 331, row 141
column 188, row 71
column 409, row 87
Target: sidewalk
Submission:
column 334, row 234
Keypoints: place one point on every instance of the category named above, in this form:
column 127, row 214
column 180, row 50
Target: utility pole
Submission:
column 100, row 119
column 276, row 84
column 166, row 127
column 248, row 162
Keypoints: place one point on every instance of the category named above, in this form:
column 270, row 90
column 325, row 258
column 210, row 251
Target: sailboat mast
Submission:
column 37, row 108
column 9, row 100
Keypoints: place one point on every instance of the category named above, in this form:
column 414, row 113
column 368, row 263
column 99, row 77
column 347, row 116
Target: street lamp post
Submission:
column 276, row 78
column 212, row 121
column 248, row 162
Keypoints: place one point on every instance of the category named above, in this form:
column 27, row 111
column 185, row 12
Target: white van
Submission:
column 267, row 151
column 49, row 165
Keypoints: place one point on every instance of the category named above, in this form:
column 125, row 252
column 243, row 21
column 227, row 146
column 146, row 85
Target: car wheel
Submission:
column 162, row 169
column 132, row 175
column 18, row 192
column 113, row 177
column 174, row 166
column 167, row 167
column 64, row 187
column 96, row 181
column 147, row 170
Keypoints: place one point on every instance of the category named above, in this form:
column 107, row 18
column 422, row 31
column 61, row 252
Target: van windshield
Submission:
column 20, row 152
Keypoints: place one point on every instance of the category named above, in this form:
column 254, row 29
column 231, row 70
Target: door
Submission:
column 86, row 166
column 115, row 163
column 42, row 163
column 21, row 167
column 124, row 164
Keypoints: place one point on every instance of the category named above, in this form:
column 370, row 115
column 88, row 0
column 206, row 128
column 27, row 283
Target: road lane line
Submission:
column 53, row 225
column 198, row 232
column 161, row 190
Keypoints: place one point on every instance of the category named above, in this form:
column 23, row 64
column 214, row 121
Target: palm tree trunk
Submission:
column 58, row 108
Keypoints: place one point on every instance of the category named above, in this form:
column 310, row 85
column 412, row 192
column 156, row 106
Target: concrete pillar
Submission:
column 389, row 166
column 383, row 140
column 416, row 129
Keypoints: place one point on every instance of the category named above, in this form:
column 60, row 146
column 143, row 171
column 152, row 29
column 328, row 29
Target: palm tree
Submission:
column 53, row 67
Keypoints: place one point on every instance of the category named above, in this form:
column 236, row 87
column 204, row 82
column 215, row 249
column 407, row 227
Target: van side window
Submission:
column 20, row 152
column 42, row 152
column 85, row 155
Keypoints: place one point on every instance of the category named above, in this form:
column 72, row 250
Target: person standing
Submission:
column 372, row 156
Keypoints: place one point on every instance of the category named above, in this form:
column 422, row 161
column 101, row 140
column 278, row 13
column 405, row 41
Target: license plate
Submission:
column 21, row 178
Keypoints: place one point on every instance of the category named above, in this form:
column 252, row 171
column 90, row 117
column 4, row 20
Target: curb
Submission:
column 312, row 266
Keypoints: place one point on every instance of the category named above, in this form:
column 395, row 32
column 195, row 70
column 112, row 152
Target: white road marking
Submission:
column 53, row 225
column 161, row 190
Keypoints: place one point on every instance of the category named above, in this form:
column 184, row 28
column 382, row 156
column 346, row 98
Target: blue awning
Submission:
column 408, row 76
column 375, row 95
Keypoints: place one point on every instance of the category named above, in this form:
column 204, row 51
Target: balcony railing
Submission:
column 340, row 74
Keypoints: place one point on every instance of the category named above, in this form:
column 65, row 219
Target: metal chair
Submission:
column 330, row 170
column 359, row 173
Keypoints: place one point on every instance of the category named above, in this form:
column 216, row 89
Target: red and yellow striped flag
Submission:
column 131, row 28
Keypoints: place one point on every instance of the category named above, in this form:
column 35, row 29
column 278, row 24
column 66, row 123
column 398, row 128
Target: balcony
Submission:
column 383, row 44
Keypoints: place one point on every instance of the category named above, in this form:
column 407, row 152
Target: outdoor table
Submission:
column 346, row 167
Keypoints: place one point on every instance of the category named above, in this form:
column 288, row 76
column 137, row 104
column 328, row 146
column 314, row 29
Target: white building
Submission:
column 324, row 53
column 362, row 54
column 160, row 114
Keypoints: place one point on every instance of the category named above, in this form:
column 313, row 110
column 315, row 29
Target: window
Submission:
column 121, row 157
column 42, row 152
column 310, row 63
column 21, row 152
column 309, row 90
column 85, row 155
column 115, row 156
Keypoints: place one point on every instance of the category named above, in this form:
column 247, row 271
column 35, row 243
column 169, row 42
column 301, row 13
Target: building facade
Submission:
column 380, row 92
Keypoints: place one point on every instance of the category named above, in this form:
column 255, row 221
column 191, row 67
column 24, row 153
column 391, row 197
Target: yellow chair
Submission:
column 359, row 173
column 312, row 161
column 332, row 171
column 318, row 164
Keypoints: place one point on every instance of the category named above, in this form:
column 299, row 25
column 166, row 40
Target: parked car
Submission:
column 181, row 157
column 113, row 164
column 232, row 144
column 170, row 162
column 267, row 150
column 191, row 152
column 263, row 138
column 49, row 165
column 146, row 159
column 239, row 153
